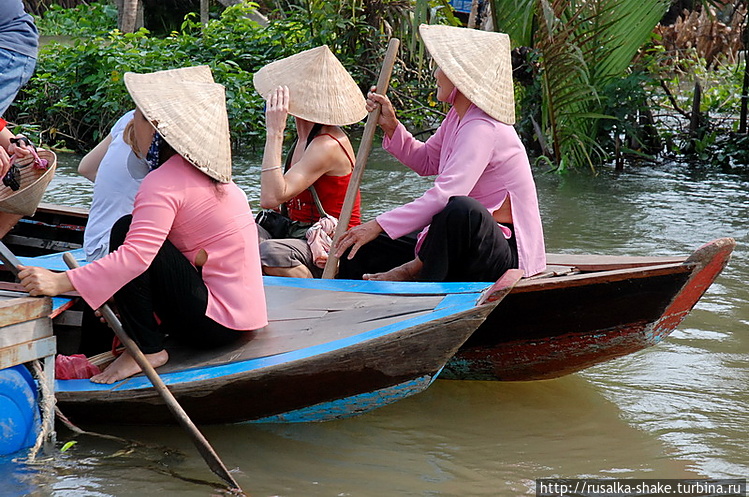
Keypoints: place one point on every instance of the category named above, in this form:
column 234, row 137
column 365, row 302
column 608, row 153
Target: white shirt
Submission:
column 117, row 181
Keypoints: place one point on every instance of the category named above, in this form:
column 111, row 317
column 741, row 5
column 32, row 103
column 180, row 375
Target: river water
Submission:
column 677, row 410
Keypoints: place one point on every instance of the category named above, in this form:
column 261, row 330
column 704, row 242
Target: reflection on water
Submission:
column 673, row 411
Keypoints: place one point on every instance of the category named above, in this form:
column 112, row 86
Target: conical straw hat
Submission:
column 320, row 88
column 200, row 74
column 478, row 63
column 190, row 114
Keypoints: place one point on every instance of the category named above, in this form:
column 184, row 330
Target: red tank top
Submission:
column 332, row 192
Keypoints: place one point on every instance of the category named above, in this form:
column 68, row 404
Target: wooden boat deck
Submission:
column 316, row 318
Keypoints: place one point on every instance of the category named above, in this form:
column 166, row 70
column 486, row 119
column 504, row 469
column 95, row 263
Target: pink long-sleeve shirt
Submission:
column 182, row 204
column 479, row 157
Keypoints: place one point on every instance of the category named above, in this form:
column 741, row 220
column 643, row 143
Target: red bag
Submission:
column 74, row 367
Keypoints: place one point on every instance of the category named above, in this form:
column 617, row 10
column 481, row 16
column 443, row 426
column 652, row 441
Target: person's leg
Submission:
column 96, row 337
column 378, row 256
column 409, row 271
column 262, row 234
column 289, row 257
column 134, row 301
column 136, row 313
column 172, row 289
column 464, row 243
column 15, row 71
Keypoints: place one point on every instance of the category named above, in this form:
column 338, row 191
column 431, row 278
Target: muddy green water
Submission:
column 677, row 410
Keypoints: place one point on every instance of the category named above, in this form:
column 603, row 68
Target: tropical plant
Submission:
column 583, row 47
column 78, row 92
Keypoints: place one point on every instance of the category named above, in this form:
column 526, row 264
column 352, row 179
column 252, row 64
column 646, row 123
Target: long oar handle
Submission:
column 205, row 449
column 9, row 259
column 361, row 157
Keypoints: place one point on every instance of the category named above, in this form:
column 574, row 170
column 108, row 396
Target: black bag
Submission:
column 275, row 223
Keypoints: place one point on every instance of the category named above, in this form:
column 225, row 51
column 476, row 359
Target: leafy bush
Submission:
column 78, row 92
column 97, row 18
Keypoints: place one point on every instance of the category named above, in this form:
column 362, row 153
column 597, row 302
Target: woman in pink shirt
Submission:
column 186, row 263
column 481, row 216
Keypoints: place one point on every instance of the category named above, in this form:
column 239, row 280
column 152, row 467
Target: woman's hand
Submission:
column 18, row 146
column 4, row 162
column 40, row 281
column 356, row 237
column 388, row 122
column 277, row 110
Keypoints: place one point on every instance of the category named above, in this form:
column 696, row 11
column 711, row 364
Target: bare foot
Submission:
column 125, row 366
column 406, row 272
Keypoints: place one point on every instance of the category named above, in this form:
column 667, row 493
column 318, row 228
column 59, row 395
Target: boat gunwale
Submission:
column 583, row 279
column 409, row 326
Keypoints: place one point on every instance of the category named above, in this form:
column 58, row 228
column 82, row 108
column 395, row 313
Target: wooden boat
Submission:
column 587, row 310
column 584, row 310
column 325, row 354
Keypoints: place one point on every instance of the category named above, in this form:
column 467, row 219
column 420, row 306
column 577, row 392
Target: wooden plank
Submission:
column 16, row 287
column 587, row 262
column 584, row 279
column 27, row 352
column 60, row 309
column 69, row 318
column 18, row 310
column 47, row 208
column 40, row 243
column 25, row 332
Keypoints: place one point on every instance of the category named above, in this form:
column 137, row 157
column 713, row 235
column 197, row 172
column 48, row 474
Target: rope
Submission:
column 47, row 403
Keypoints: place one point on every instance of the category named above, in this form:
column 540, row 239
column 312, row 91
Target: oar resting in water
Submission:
column 186, row 203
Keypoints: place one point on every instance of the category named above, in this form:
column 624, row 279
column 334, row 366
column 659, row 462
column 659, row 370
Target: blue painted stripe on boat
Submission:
column 54, row 262
column 458, row 299
column 58, row 302
column 351, row 406
column 381, row 287
column 212, row 372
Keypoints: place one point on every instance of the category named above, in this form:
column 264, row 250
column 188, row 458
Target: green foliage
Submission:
column 729, row 151
column 584, row 51
column 78, row 92
column 68, row 445
column 96, row 18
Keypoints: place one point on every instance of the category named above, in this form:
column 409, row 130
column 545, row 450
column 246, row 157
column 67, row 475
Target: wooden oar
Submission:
column 205, row 449
column 361, row 157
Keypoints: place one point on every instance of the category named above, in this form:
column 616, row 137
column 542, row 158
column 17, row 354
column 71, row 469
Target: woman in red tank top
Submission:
column 322, row 157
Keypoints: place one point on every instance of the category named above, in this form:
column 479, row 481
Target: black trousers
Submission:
column 172, row 289
column 380, row 255
column 463, row 243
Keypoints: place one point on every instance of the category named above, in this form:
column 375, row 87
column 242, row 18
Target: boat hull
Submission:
column 548, row 329
column 320, row 386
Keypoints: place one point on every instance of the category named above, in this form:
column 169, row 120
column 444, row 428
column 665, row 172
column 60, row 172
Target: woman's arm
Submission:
column 458, row 176
column 318, row 159
column 161, row 196
column 41, row 281
column 89, row 165
column 7, row 148
column 387, row 121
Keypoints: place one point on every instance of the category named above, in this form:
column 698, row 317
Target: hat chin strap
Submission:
column 452, row 96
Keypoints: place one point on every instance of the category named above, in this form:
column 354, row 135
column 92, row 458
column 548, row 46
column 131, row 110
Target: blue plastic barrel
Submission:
column 19, row 413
